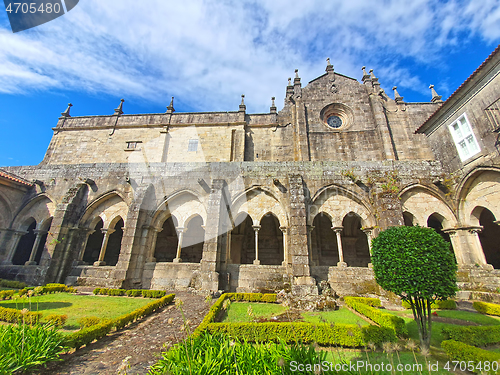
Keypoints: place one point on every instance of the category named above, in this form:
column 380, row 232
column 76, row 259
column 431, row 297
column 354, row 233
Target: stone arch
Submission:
column 270, row 237
column 193, row 239
column 108, row 207
column 408, row 219
column 435, row 221
column 489, row 236
column 257, row 202
column 480, row 187
column 113, row 247
column 354, row 241
column 421, row 202
column 39, row 208
column 242, row 249
column 165, row 248
column 337, row 202
column 5, row 212
column 94, row 241
column 324, row 249
column 25, row 245
column 183, row 204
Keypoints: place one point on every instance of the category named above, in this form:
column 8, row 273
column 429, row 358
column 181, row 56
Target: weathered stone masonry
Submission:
column 257, row 202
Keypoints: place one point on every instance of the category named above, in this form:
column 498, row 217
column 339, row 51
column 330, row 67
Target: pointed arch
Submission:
column 39, row 208
column 107, row 206
column 354, row 241
column 270, row 236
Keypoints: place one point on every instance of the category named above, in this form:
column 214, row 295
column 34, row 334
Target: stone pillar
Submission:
column 145, row 231
column 368, row 233
column 256, row 229
column 312, row 261
column 467, row 246
column 88, row 233
column 338, row 231
column 38, row 238
column 390, row 210
column 13, row 246
column 180, row 234
column 285, row 246
column 102, row 254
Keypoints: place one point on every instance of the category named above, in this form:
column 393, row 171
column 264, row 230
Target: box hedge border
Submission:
column 146, row 293
column 349, row 335
column 459, row 351
column 473, row 335
column 382, row 318
column 487, row 308
column 87, row 335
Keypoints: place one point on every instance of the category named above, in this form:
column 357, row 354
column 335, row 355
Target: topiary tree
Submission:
column 416, row 264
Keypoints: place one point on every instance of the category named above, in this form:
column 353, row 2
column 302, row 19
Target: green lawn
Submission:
column 78, row 306
column 341, row 316
column 238, row 311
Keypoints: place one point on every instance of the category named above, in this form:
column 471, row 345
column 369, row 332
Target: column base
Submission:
column 30, row 263
column 284, row 263
column 341, row 264
column 177, row 260
column 99, row 263
column 256, row 262
column 370, row 265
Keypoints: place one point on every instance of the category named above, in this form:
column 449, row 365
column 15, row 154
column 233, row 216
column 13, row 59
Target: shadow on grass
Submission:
column 34, row 306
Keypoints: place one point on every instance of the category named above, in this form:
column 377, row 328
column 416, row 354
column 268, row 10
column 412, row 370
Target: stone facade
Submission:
column 257, row 202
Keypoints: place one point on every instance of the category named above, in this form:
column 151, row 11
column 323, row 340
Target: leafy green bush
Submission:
column 473, row 335
column 56, row 320
column 349, row 335
column 6, row 294
column 97, row 291
column 153, row 293
column 448, row 304
column 217, row 354
column 378, row 316
column 23, row 347
column 487, row 308
column 86, row 335
column 88, row 321
column 458, row 351
column 12, row 284
column 375, row 302
column 252, row 297
column 19, row 316
column 134, row 293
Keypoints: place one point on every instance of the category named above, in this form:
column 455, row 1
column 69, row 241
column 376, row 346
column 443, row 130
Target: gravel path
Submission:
column 139, row 345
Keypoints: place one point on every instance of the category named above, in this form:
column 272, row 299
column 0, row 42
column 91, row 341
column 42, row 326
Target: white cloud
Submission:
column 207, row 53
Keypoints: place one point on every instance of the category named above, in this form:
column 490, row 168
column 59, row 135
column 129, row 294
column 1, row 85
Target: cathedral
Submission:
column 258, row 202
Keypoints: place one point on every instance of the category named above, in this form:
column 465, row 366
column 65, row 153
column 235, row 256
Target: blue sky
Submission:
column 208, row 53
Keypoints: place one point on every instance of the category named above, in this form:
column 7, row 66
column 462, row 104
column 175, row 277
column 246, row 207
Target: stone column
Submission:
column 368, row 232
column 338, row 231
column 476, row 244
column 285, row 246
column 88, row 233
column 180, row 234
column 38, row 238
column 107, row 233
column 256, row 229
column 13, row 246
column 312, row 261
column 456, row 245
column 145, row 231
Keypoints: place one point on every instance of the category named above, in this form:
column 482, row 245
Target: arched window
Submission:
column 94, row 244
column 25, row 245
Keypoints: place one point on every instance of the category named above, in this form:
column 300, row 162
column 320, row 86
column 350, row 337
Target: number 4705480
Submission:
column 32, row 8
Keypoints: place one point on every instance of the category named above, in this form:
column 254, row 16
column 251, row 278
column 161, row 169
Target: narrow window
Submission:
column 193, row 145
column 464, row 138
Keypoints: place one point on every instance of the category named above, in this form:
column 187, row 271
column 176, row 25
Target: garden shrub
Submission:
column 97, row 291
column 141, row 312
column 384, row 319
column 473, row 335
column 86, row 335
column 56, row 320
column 349, row 335
column 23, row 347
column 134, row 293
column 153, row 293
column 375, row 302
column 12, row 284
column 448, row 304
column 88, row 321
column 17, row 316
column 6, row 294
column 251, row 297
column 146, row 293
column 487, row 308
column 458, row 351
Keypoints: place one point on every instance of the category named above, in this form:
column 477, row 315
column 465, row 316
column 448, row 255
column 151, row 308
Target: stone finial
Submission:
column 296, row 81
column 435, row 97
column 372, row 76
column 328, row 61
column 170, row 108
column 243, row 107
column 366, row 76
column 119, row 110
column 329, row 66
column 273, row 105
column 289, row 82
column 66, row 112
column 296, row 73
column 398, row 98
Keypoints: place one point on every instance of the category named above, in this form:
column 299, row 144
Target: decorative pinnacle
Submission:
column 398, row 98
column 364, row 70
column 119, row 110
column 329, row 66
column 243, row 107
column 289, row 82
column 372, row 75
column 242, row 99
column 435, row 96
column 170, row 108
column 273, row 105
column 328, row 61
column 66, row 112
column 296, row 73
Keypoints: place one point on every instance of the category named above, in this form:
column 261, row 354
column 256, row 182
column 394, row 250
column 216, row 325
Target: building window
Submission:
column 193, row 145
column 464, row 138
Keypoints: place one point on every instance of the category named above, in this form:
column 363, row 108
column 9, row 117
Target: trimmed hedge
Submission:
column 458, row 351
column 16, row 316
column 146, row 293
column 89, row 321
column 6, row 294
column 378, row 316
column 252, row 297
column 348, row 335
column 374, row 302
column 487, row 308
column 473, row 335
column 448, row 304
column 56, row 320
column 12, row 284
column 87, row 335
column 48, row 289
